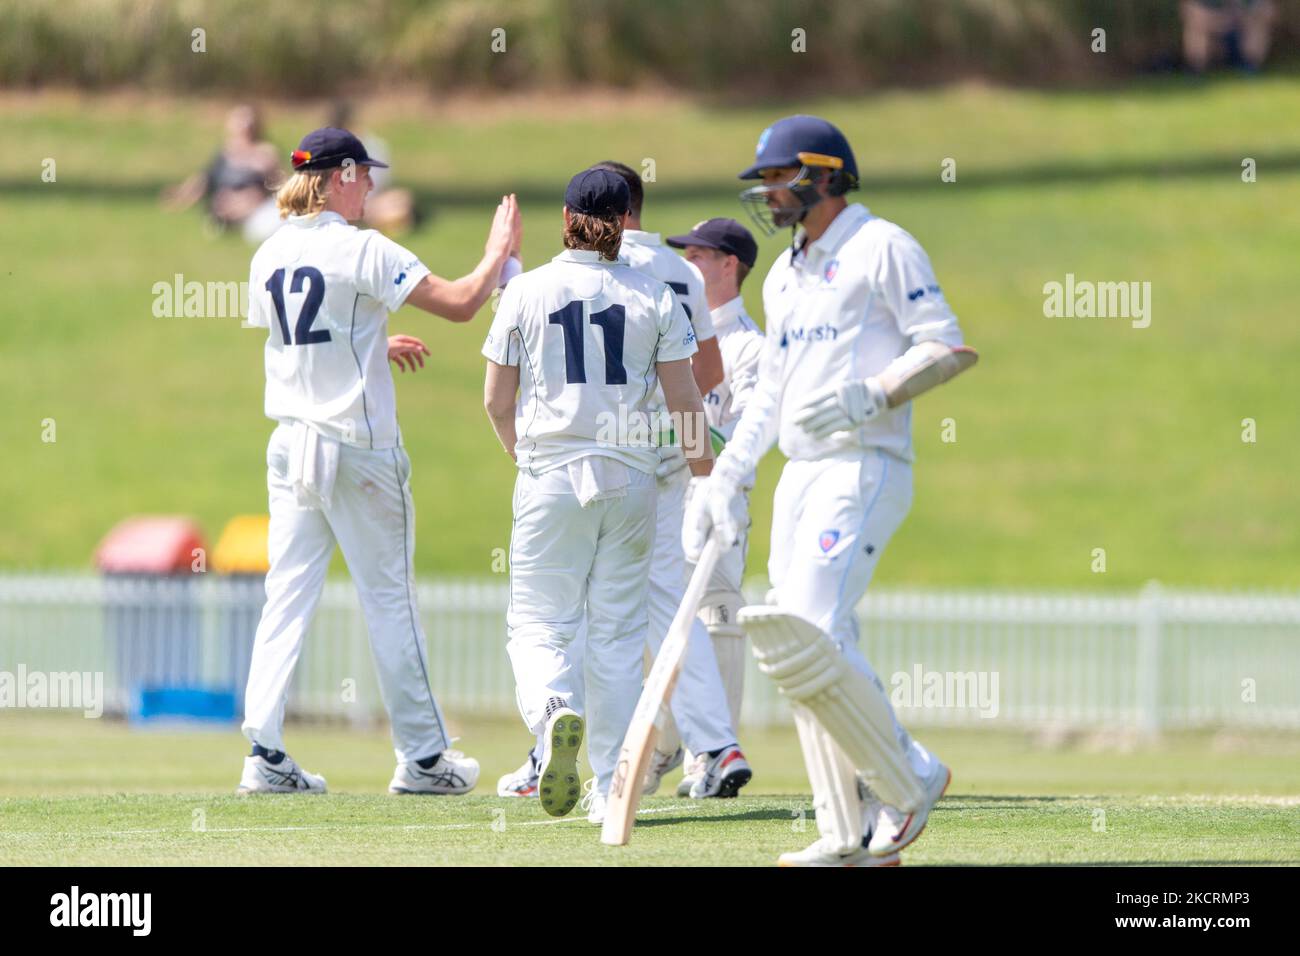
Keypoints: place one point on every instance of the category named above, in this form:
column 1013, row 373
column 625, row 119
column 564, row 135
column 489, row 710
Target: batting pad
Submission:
column 834, row 783
column 809, row 669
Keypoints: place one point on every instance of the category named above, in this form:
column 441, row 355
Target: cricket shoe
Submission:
column 725, row 772
column 822, row 853
column 694, row 771
column 660, row 764
column 895, row 830
column 594, row 804
column 521, row 783
column 558, row 783
column 273, row 771
column 451, row 773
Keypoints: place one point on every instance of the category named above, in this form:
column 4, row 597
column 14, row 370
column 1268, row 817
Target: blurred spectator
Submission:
column 239, row 184
column 1243, row 28
column 390, row 210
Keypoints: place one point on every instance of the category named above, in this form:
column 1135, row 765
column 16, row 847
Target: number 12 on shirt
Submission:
column 304, row 334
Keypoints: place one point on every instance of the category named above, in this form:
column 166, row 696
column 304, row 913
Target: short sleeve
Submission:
column 258, row 300
column 387, row 271
column 503, row 343
column 677, row 337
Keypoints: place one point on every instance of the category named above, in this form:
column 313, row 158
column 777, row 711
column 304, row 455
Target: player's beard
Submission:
column 770, row 217
column 783, row 216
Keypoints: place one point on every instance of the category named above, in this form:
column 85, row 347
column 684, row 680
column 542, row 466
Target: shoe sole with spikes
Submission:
column 558, row 784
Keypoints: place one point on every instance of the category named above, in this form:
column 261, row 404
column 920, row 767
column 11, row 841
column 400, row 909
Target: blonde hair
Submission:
column 303, row 193
column 603, row 235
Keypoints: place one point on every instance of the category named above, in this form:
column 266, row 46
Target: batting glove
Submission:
column 714, row 504
column 841, row 407
column 672, row 459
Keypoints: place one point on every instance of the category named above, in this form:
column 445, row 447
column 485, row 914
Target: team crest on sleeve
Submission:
column 828, row 539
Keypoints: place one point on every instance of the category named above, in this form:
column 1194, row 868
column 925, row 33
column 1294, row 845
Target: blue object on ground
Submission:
column 185, row 703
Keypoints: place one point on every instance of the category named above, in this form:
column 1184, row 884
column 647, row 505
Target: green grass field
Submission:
column 96, row 793
column 1073, row 434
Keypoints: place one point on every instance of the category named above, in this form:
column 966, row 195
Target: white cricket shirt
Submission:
column 740, row 341
column 586, row 334
column 843, row 307
column 645, row 252
column 323, row 289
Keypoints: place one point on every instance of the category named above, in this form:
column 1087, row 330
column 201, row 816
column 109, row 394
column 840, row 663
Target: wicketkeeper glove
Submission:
column 841, row 407
column 672, row 459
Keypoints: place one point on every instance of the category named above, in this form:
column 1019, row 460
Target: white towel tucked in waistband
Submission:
column 595, row 478
column 313, row 466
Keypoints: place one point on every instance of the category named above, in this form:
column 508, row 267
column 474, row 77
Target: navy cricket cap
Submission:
column 801, row 141
column 597, row 192
column 328, row 147
column 725, row 235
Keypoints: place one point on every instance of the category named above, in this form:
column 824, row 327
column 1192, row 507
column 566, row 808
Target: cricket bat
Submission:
column 652, row 707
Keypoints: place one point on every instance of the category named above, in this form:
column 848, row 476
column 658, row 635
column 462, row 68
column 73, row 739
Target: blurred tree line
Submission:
column 730, row 47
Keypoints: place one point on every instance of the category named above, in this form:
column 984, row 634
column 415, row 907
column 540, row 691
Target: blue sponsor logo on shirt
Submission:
column 815, row 333
column 918, row 292
column 690, row 337
column 400, row 276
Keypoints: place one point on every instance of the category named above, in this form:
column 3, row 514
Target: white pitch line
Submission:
column 1226, row 799
column 326, row 827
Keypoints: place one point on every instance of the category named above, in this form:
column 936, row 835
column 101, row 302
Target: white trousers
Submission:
column 699, row 702
column 571, row 566
column 722, row 600
column 372, row 518
column 831, row 520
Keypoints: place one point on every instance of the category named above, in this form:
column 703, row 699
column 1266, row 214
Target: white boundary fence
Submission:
column 1146, row 661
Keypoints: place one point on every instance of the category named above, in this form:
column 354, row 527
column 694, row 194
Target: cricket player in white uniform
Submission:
column 336, row 469
column 585, row 342
column 699, row 702
column 856, row 326
column 724, row 252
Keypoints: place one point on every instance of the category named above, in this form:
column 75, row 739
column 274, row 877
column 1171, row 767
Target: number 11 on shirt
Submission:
column 611, row 320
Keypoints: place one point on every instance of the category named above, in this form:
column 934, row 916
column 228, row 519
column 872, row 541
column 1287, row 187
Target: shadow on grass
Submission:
column 951, row 804
column 748, row 815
